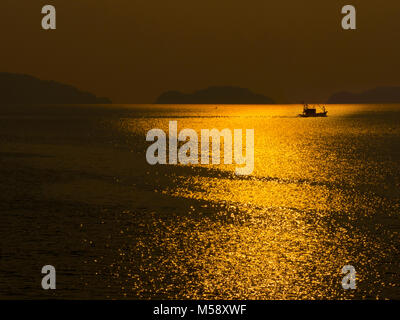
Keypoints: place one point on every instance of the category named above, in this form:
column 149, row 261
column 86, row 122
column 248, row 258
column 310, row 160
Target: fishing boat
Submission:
column 309, row 112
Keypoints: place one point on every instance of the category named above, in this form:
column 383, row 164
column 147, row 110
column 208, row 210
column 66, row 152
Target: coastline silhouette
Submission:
column 214, row 95
column 376, row 95
column 26, row 89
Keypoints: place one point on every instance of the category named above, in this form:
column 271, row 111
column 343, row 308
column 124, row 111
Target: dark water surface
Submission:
column 76, row 192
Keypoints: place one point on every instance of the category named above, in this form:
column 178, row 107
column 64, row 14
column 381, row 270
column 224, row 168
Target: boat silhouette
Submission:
column 312, row 112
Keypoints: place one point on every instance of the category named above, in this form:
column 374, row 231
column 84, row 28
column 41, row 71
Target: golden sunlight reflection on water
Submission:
column 313, row 204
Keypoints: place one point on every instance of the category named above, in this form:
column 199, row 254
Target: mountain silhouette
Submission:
column 376, row 95
column 214, row 95
column 25, row 89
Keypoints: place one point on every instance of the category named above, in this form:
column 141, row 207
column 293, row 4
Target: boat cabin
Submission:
column 309, row 112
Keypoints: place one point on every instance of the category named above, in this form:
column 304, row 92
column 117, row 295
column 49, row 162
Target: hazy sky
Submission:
column 133, row 50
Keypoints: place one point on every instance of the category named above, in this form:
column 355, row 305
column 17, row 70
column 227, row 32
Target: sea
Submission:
column 77, row 193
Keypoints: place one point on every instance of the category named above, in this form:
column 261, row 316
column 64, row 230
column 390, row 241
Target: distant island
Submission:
column 214, row 95
column 377, row 95
column 25, row 89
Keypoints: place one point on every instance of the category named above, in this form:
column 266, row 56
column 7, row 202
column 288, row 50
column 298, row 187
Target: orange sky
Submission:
column 132, row 50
